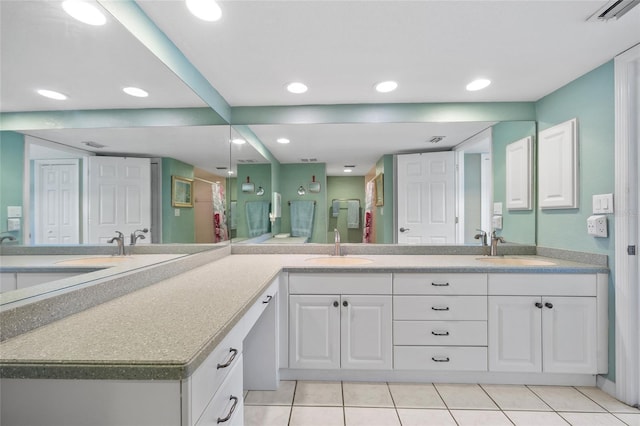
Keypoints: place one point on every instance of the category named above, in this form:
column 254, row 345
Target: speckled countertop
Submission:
column 166, row 330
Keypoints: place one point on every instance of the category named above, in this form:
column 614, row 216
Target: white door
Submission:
column 366, row 332
column 56, row 202
column 569, row 335
column 426, row 198
column 119, row 194
column 314, row 331
column 515, row 333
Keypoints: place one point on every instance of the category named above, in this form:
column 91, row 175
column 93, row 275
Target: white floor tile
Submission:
column 356, row 416
column 466, row 397
column 266, row 415
column 366, row 395
column 630, row 419
column 535, row 418
column 480, row 418
column 423, row 417
column 592, row 419
column 564, row 398
column 318, row 394
column 415, row 395
column 510, row 397
column 317, row 416
column 282, row 396
column 607, row 401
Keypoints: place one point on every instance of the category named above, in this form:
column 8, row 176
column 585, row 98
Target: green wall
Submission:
column 518, row 226
column 344, row 187
column 590, row 99
column 260, row 175
column 472, row 197
column 176, row 229
column 384, row 214
column 11, row 177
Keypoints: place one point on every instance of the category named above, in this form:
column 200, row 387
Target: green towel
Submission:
column 257, row 217
column 302, row 218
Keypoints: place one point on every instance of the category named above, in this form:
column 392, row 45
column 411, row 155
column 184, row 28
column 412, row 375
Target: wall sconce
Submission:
column 248, row 186
column 314, row 186
column 301, row 190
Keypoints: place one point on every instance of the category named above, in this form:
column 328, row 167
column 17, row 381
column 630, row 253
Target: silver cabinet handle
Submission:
column 233, row 353
column 440, row 308
column 440, row 284
column 233, row 408
column 440, row 359
column 440, row 333
column 403, row 229
column 268, row 299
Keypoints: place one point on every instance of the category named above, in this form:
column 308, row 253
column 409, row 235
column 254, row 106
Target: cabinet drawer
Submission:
column 471, row 308
column 253, row 314
column 355, row 283
column 206, row 380
column 440, row 333
column 471, row 284
column 543, row 284
column 227, row 402
column 456, row 358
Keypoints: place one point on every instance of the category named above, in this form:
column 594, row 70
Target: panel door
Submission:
column 569, row 334
column 119, row 197
column 515, row 333
column 314, row 331
column 426, row 198
column 366, row 325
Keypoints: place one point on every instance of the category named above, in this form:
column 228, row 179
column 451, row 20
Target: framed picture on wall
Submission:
column 181, row 191
column 379, row 189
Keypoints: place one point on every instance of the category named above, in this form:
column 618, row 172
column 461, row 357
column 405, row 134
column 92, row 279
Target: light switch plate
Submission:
column 176, row 212
column 497, row 208
column 14, row 211
column 602, row 203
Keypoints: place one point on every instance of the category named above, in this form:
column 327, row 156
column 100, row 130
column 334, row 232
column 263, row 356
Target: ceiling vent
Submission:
column 437, row 139
column 309, row 160
column 614, row 9
column 93, row 144
column 221, row 168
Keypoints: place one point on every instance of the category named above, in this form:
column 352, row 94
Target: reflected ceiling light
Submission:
column 478, row 84
column 51, row 94
column 283, row 140
column 238, row 141
column 207, row 10
column 135, row 91
column 230, row 172
column 348, row 170
column 386, row 86
column 84, row 12
column 297, row 87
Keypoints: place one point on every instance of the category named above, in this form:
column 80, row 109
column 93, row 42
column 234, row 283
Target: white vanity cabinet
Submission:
column 340, row 321
column 440, row 321
column 551, row 323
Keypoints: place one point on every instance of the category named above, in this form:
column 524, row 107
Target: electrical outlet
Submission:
column 13, row 224
column 496, row 221
column 597, row 226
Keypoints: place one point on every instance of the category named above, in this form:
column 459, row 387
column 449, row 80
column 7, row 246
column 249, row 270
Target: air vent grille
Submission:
column 614, row 9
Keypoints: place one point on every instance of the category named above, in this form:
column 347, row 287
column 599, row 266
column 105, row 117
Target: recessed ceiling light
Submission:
column 135, row 91
column 207, row 10
column 348, row 170
column 84, row 12
column 238, row 141
column 283, row 140
column 297, row 87
column 52, row 95
column 478, row 84
column 230, row 172
column 386, row 86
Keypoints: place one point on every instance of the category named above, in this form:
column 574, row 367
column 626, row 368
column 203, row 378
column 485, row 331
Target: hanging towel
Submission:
column 353, row 214
column 335, row 208
column 257, row 217
column 302, row 218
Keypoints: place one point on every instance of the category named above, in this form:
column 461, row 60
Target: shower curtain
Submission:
column 219, row 212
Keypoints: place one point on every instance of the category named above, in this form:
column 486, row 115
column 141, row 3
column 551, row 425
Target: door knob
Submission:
column 403, row 229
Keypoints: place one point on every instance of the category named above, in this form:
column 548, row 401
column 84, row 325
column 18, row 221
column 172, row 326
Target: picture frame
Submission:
column 181, row 191
column 379, row 184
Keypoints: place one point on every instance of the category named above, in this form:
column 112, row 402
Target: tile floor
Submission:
column 393, row 404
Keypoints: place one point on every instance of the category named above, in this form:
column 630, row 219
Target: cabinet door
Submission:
column 569, row 335
column 366, row 332
column 515, row 329
column 314, row 331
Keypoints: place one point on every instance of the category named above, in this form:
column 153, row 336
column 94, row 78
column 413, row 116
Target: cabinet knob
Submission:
column 345, row 303
column 538, row 305
column 335, row 303
column 549, row 305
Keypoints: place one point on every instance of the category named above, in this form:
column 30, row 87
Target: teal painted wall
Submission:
column 472, row 197
column 291, row 177
column 11, row 177
column 176, row 229
column 518, row 226
column 590, row 99
column 384, row 214
column 276, row 227
column 260, row 175
column 344, row 187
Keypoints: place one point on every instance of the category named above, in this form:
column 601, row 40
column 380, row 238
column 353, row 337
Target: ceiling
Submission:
column 340, row 49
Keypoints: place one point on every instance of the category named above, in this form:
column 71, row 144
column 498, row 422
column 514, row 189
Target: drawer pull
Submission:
column 440, row 284
column 233, row 408
column 440, row 333
column 269, row 297
column 440, row 359
column 233, row 353
column 440, row 308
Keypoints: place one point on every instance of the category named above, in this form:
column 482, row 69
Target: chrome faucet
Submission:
column 7, row 237
column 494, row 243
column 120, row 240
column 138, row 235
column 336, row 236
column 482, row 236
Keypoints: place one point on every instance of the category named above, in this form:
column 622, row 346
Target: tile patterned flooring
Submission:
column 307, row 403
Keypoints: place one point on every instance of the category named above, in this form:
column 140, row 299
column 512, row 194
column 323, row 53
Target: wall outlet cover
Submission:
column 496, row 221
column 13, row 224
column 597, row 226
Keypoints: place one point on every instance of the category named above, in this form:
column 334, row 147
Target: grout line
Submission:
column 293, row 397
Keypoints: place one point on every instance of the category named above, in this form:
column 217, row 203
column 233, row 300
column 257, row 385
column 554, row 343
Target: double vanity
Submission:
column 182, row 348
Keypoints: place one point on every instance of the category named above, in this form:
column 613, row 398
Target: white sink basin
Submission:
column 515, row 261
column 97, row 261
column 339, row 261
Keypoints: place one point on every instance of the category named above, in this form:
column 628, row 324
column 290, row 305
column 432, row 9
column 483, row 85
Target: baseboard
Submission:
column 606, row 385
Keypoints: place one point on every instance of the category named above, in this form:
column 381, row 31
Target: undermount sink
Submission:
column 110, row 260
column 339, row 261
column 515, row 261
